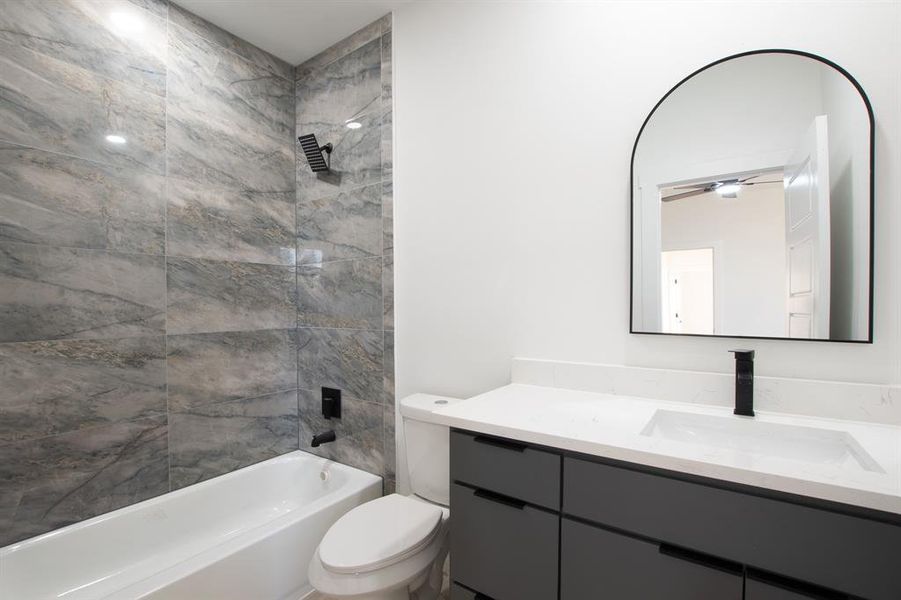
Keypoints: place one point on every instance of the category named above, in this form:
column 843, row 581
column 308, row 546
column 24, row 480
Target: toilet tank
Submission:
column 428, row 447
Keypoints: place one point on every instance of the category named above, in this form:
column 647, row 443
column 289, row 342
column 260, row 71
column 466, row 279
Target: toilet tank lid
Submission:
column 421, row 406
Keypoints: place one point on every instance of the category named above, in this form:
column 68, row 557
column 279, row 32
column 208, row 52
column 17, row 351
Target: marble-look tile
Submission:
column 388, row 369
column 359, row 437
column 353, row 42
column 215, row 439
column 230, row 224
column 387, row 216
column 350, row 360
column 159, row 8
column 388, row 292
column 386, row 108
column 230, row 122
column 208, row 296
column 389, row 486
column 57, row 106
column 204, row 368
column 346, row 293
column 388, row 424
column 55, row 481
column 63, row 293
column 88, row 34
column 199, row 26
column 348, row 225
column 47, row 388
column 50, row 198
column 347, row 89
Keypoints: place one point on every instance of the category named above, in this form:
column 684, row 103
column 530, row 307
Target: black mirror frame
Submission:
column 872, row 148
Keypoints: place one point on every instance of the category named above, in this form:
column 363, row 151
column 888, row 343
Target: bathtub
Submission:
column 247, row 535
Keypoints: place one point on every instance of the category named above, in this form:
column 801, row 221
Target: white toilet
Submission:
column 394, row 548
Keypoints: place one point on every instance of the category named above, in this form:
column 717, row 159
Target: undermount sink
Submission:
column 810, row 445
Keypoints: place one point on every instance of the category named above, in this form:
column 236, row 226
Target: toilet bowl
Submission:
column 394, row 547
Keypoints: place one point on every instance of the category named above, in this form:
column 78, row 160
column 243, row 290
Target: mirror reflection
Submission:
column 751, row 204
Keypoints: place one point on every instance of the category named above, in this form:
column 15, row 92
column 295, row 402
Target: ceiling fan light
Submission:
column 728, row 190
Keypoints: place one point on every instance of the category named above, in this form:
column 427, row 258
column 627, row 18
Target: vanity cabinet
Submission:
column 538, row 523
column 599, row 563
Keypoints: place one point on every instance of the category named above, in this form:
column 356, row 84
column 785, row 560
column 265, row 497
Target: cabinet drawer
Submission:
column 855, row 555
column 766, row 588
column 458, row 592
column 506, row 467
column 596, row 563
column 503, row 548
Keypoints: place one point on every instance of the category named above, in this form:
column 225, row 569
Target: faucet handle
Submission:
column 743, row 354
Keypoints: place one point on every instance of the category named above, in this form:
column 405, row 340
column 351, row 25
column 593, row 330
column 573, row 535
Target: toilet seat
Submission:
column 379, row 534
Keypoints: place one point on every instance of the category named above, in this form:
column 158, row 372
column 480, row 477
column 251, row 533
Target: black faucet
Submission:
column 323, row 438
column 744, row 382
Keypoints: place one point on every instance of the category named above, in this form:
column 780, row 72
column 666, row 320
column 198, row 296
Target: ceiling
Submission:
column 293, row 30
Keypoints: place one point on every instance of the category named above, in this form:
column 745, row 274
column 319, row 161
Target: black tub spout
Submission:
column 323, row 438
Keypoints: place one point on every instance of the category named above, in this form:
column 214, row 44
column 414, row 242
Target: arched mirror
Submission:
column 752, row 203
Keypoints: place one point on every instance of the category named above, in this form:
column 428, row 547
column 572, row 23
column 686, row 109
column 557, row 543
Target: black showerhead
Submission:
column 313, row 151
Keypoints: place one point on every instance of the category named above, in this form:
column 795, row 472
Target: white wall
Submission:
column 514, row 124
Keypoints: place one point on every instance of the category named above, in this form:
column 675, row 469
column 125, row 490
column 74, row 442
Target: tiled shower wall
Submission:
column 344, row 249
column 148, row 290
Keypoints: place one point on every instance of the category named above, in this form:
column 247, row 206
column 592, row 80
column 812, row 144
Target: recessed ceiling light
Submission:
column 126, row 22
column 115, row 139
column 354, row 125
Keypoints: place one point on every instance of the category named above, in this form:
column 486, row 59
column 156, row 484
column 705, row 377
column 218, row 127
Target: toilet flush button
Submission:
column 440, row 401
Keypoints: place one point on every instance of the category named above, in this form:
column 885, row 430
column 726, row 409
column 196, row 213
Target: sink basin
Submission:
column 810, row 445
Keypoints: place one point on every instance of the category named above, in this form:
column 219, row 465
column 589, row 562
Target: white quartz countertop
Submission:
column 611, row 426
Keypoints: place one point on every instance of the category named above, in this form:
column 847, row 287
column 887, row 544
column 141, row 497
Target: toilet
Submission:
column 394, row 547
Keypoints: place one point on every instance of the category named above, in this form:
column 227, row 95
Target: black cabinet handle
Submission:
column 481, row 596
column 797, row 587
column 499, row 498
column 480, row 439
column 705, row 560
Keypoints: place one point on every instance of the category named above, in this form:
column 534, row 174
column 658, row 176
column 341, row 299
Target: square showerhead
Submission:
column 314, row 153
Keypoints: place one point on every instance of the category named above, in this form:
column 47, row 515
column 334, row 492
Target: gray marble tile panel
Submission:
column 230, row 122
column 110, row 38
column 387, row 216
column 159, row 8
column 345, row 293
column 359, row 433
column 214, row 439
column 390, row 451
column 388, row 292
column 204, row 221
column 388, row 369
column 386, row 108
column 63, row 293
column 55, row 481
column 353, row 42
column 49, row 198
column 48, row 388
column 348, row 225
column 57, row 106
column 182, row 18
column 208, row 296
column 205, row 368
column 350, row 360
column 349, row 89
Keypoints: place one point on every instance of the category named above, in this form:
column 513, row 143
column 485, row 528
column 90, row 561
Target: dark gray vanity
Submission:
column 537, row 523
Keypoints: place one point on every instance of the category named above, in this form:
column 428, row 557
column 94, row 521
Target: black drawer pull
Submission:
column 480, row 439
column 705, row 560
column 481, row 596
column 499, row 498
column 798, row 587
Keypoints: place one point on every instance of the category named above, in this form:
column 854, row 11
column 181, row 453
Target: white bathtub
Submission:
column 247, row 535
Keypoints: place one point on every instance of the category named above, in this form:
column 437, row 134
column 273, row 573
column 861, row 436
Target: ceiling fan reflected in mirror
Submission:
column 726, row 188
